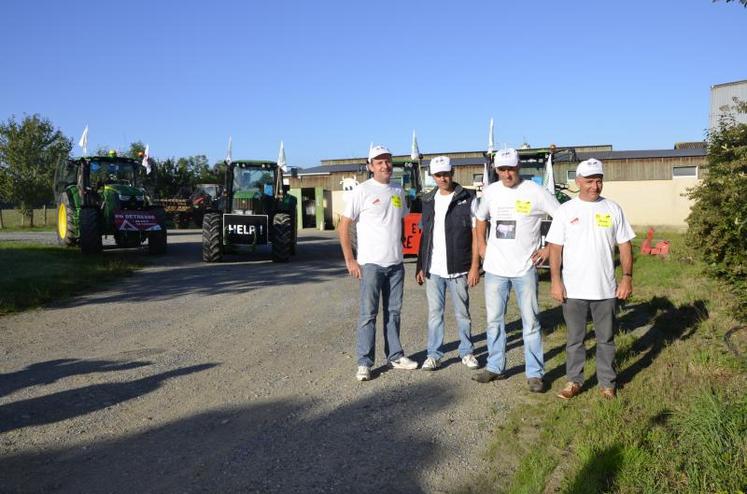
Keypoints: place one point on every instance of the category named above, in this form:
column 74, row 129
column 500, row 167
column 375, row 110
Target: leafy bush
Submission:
column 718, row 220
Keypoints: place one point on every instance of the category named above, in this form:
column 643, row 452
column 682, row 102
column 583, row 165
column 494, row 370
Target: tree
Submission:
column 718, row 218
column 29, row 152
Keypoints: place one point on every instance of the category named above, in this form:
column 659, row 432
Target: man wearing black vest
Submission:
column 448, row 259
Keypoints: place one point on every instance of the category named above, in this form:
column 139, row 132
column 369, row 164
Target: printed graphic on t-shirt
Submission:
column 396, row 202
column 523, row 207
column 603, row 220
column 505, row 229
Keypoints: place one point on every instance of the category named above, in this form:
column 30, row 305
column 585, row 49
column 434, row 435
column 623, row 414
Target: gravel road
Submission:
column 239, row 377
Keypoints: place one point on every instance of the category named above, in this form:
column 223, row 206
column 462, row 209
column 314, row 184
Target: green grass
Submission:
column 680, row 421
column 34, row 274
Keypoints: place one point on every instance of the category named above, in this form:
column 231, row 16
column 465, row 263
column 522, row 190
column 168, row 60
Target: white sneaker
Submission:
column 430, row 364
column 404, row 363
column 363, row 374
column 470, row 361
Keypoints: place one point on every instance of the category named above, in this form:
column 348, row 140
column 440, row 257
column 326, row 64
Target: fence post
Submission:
column 1, row 219
column 45, row 215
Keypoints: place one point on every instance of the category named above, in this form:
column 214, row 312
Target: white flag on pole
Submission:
column 281, row 158
column 414, row 151
column 83, row 142
column 229, row 158
column 146, row 159
column 549, row 178
column 491, row 140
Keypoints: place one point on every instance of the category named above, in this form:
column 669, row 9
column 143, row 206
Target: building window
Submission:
column 570, row 175
column 684, row 172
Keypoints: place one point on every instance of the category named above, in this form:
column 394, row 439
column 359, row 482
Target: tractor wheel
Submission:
column 90, row 234
column 212, row 237
column 65, row 222
column 294, row 235
column 157, row 240
column 282, row 233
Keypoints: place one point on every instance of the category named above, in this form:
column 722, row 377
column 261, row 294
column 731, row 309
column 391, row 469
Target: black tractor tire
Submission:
column 294, row 235
column 90, row 233
column 282, row 233
column 212, row 237
column 66, row 234
column 158, row 239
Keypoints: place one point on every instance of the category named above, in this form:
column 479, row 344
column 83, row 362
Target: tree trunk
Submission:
column 1, row 219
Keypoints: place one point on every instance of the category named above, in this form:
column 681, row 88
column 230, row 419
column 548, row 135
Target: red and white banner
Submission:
column 136, row 221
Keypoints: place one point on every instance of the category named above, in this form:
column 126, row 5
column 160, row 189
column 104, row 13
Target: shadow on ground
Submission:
column 182, row 272
column 372, row 444
column 657, row 323
column 53, row 370
column 71, row 403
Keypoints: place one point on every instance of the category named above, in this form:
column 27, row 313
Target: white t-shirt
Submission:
column 588, row 232
column 515, row 215
column 438, row 254
column 379, row 209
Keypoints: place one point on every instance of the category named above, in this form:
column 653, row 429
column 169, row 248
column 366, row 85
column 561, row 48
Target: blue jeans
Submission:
column 496, row 297
column 385, row 283
column 435, row 287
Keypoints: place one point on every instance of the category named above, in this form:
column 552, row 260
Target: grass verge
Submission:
column 33, row 274
column 680, row 421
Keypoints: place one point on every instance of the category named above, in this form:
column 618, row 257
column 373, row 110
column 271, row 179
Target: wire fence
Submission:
column 12, row 218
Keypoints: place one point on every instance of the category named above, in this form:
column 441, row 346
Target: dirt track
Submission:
column 239, row 376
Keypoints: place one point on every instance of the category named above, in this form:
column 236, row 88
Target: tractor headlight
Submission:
column 123, row 198
column 140, row 198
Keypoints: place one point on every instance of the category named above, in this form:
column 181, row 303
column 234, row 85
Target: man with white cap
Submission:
column 515, row 208
column 379, row 207
column 583, row 235
column 448, row 259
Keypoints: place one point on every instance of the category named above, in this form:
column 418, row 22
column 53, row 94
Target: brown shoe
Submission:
column 485, row 376
column 607, row 393
column 535, row 384
column 571, row 389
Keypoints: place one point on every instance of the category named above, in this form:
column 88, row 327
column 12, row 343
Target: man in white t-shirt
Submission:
column 583, row 235
column 448, row 259
column 378, row 207
column 515, row 208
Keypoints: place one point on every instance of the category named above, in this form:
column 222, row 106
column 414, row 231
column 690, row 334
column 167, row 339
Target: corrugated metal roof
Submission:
column 646, row 153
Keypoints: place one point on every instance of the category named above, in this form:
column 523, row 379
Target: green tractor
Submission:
column 254, row 209
column 100, row 195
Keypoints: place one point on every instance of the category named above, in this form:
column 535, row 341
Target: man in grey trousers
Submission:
column 583, row 234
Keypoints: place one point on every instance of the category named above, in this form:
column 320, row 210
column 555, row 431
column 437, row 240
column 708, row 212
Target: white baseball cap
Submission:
column 589, row 167
column 506, row 157
column 440, row 164
column 377, row 151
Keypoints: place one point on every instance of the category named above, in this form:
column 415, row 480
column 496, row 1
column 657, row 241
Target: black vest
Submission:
column 458, row 229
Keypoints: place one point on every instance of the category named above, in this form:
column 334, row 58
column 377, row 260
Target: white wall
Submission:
column 652, row 202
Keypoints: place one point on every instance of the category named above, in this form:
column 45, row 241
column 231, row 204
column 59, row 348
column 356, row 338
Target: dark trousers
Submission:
column 603, row 317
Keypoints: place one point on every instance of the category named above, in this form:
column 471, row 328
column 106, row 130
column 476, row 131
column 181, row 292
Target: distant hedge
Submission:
column 718, row 219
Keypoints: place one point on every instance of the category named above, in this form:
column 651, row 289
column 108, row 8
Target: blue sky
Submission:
column 329, row 77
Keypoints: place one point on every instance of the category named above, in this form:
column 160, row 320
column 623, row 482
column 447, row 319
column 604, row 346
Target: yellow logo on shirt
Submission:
column 603, row 220
column 523, row 207
column 396, row 202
